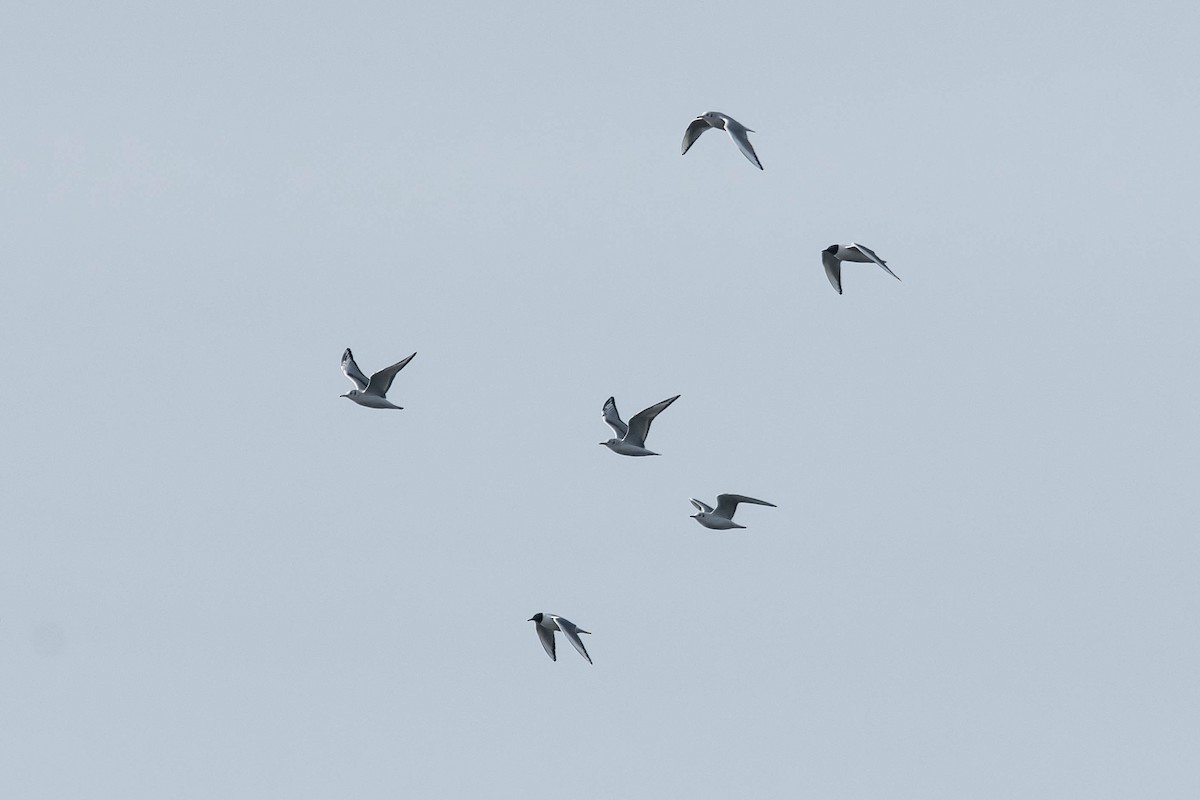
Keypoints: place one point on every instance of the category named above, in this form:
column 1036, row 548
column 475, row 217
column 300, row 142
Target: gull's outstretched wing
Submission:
column 699, row 125
column 546, row 637
column 833, row 269
column 869, row 253
column 572, row 631
column 352, row 371
column 737, row 132
column 382, row 381
column 705, row 507
column 728, row 503
column 614, row 419
column 639, row 423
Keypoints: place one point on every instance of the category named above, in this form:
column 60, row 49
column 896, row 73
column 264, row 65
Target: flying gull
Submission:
column 372, row 392
column 835, row 254
column 631, row 438
column 721, row 517
column 547, row 624
column 736, row 130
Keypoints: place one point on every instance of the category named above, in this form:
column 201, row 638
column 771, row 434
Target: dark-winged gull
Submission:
column 547, row 624
column 833, row 256
column 371, row 392
column 721, row 517
column 631, row 438
column 736, row 130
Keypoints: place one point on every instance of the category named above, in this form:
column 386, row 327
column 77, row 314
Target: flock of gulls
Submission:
column 630, row 437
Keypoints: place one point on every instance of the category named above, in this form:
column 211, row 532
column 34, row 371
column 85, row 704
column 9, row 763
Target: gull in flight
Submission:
column 835, row 254
column 631, row 438
column 372, row 392
column 736, row 130
column 721, row 517
column 547, row 624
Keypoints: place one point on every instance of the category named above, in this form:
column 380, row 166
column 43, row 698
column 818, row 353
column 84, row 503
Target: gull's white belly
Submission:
column 373, row 401
column 718, row 523
column 627, row 449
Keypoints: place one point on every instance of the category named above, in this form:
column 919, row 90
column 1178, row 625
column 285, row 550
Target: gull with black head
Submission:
column 547, row 624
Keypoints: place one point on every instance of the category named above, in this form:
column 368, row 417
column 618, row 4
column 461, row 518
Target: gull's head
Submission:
column 832, row 249
column 611, row 443
column 536, row 618
column 350, row 394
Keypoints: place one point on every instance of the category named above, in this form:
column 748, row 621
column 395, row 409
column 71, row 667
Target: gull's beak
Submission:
column 529, row 620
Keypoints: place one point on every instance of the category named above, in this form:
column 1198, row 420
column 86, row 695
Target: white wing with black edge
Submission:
column 572, row 631
column 352, row 371
column 614, row 419
column 546, row 637
column 869, row 253
column 699, row 125
column 737, row 132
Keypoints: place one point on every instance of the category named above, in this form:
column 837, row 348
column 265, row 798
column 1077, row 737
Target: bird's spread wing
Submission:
column 833, row 269
column 737, row 132
column 572, row 631
column 352, row 371
column 705, row 507
column 546, row 637
column 382, row 381
column 728, row 503
column 614, row 419
column 699, row 125
column 869, row 253
column 639, row 423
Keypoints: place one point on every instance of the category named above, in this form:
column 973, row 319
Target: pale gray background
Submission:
column 219, row 580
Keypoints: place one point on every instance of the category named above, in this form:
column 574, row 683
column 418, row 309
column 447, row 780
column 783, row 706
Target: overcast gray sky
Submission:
column 219, row 580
